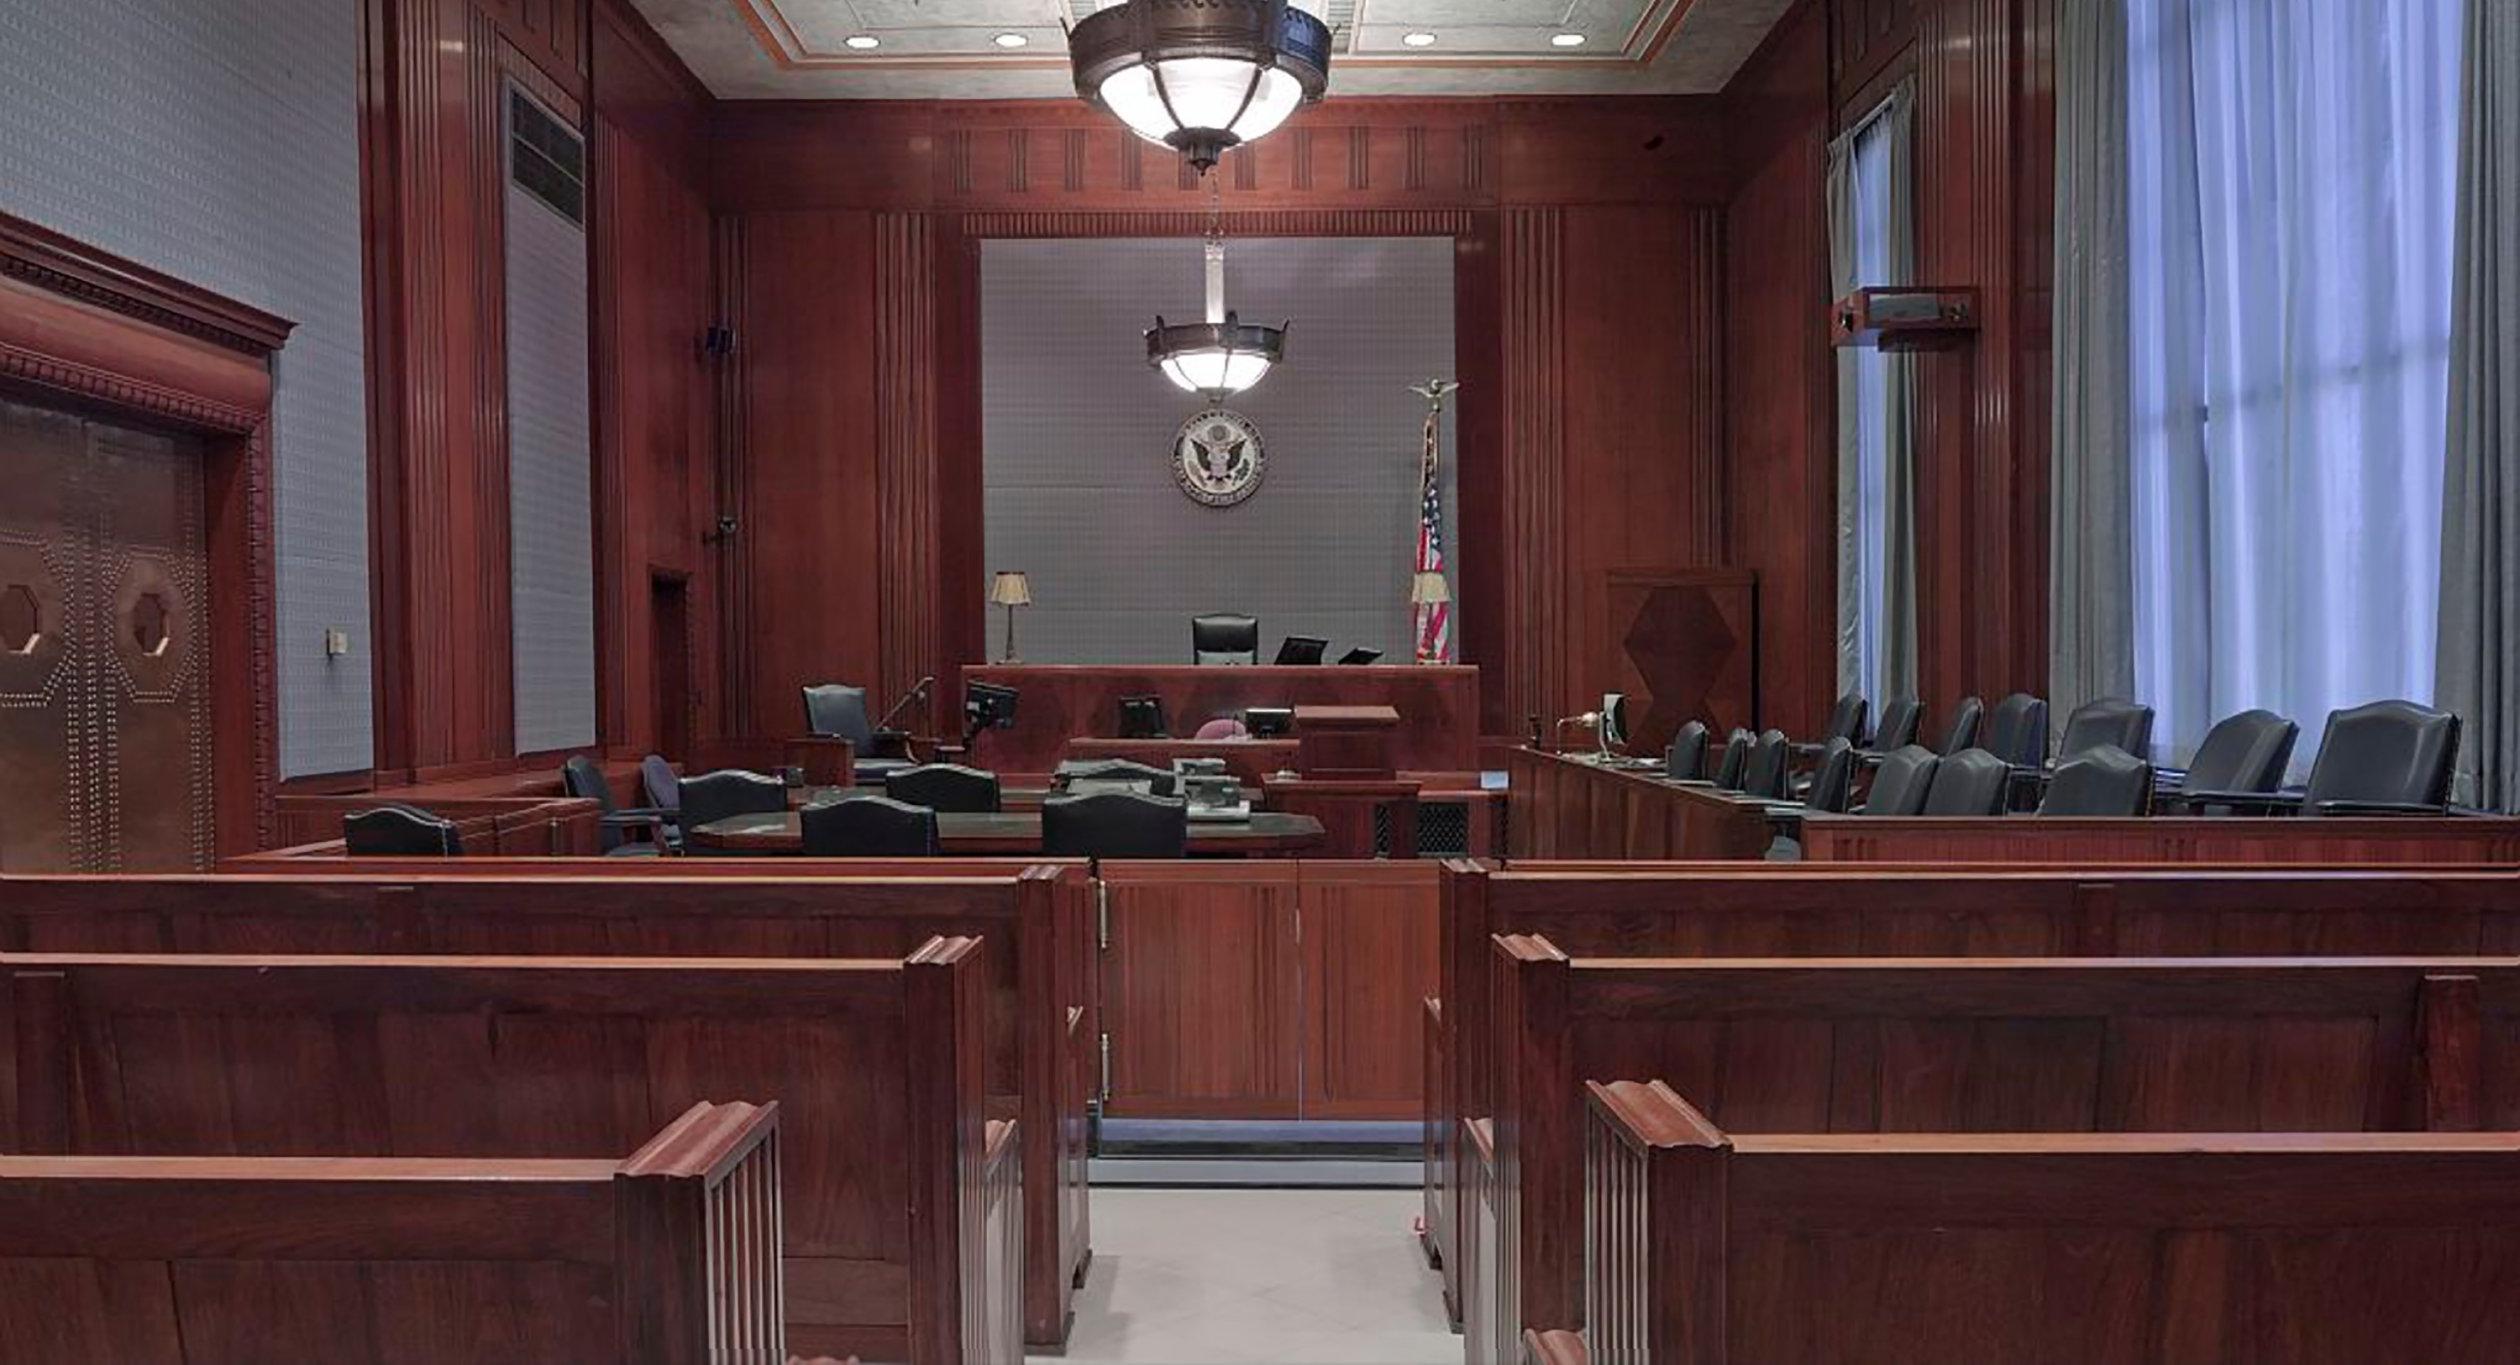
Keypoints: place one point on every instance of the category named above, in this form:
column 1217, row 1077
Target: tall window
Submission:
column 2293, row 180
column 1867, row 527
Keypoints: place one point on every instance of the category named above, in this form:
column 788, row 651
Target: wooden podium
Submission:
column 1344, row 754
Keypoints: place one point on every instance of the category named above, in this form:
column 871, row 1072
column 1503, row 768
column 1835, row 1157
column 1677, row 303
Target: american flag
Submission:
column 1434, row 619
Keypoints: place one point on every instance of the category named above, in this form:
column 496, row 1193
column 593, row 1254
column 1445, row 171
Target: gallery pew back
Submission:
column 665, row 1258
column 1036, row 918
column 1707, row 1247
column 876, row 1066
column 1721, row 910
column 1968, row 1045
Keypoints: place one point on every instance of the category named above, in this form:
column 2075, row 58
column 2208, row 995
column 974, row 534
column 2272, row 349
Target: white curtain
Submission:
column 2293, row 185
column 1872, row 243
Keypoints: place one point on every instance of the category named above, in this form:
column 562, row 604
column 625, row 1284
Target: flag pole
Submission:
column 1430, row 610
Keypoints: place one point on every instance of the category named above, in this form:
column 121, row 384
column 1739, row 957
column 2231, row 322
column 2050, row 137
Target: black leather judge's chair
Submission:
column 1114, row 825
column 1905, row 779
column 2247, row 753
column 2102, row 780
column 1685, row 760
column 946, row 786
column 581, row 778
column 726, row 793
column 1833, row 782
column 839, row 709
column 2387, row 758
column 1962, row 733
column 2113, row 722
column 867, row 827
column 1734, row 764
column 1970, row 782
column 1764, row 774
column 398, row 831
column 1899, row 716
column 1225, row 637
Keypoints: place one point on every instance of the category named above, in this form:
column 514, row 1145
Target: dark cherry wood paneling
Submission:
column 1780, row 390
column 1369, row 965
column 2480, row 841
column 1201, row 994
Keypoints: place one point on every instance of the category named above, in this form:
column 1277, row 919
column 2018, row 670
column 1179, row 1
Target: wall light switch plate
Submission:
column 336, row 643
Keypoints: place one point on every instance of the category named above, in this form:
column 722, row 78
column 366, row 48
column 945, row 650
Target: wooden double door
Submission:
column 1267, row 988
column 105, row 745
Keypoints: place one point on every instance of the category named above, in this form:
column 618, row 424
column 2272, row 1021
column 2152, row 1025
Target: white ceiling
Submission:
column 946, row 49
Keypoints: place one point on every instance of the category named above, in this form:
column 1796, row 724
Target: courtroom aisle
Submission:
column 1241, row 1277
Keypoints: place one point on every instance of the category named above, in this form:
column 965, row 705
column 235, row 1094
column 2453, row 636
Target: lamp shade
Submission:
column 1010, row 589
column 1429, row 589
column 1200, row 76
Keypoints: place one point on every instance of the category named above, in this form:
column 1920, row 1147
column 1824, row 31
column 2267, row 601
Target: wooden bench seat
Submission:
column 1037, row 919
column 1788, row 910
column 1968, row 1045
column 661, row 1259
column 893, row 1182
column 1708, row 1247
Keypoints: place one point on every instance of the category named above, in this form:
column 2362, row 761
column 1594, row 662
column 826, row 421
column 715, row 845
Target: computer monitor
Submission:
column 1142, row 718
column 1301, row 649
column 986, row 706
column 1614, row 718
column 1361, row 656
column 1266, row 722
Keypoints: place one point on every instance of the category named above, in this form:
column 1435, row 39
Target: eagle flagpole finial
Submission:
column 1433, row 390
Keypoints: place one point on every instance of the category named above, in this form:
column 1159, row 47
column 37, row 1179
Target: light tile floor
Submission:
column 1239, row 1277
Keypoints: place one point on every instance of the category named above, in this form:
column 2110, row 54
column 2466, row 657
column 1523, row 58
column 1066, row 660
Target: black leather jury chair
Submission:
column 1905, row 778
column 2102, row 780
column 2247, row 753
column 2017, row 731
column 1846, row 719
column 1962, row 732
column 1833, row 782
column 839, row 709
column 945, row 786
column 867, row 827
column 1899, row 717
column 581, row 778
column 1764, row 775
column 729, row 792
column 1115, row 825
column 398, row 831
column 1685, row 760
column 1970, row 782
column 2111, row 722
column 1734, row 764
column 663, row 789
column 2387, row 758
column 1225, row 637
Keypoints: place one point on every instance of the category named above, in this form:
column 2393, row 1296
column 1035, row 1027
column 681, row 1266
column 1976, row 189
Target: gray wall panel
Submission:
column 1079, row 490
column 217, row 140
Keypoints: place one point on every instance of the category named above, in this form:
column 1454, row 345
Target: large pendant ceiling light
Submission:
column 1219, row 357
column 1200, row 76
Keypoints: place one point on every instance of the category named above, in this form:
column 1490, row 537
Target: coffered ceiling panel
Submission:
column 1016, row 49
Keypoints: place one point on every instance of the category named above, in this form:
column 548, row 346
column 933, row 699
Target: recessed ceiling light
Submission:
column 863, row 41
column 1566, row 40
column 1418, row 39
column 1010, row 40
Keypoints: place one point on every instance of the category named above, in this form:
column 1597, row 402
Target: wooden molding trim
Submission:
column 65, row 266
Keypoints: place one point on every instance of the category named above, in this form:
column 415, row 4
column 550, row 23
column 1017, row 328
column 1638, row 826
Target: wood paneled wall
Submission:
column 1590, row 246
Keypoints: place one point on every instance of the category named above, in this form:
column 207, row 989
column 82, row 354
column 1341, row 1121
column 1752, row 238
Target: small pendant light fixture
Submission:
column 1200, row 76
column 1219, row 357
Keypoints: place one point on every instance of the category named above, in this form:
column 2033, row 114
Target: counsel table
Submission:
column 965, row 834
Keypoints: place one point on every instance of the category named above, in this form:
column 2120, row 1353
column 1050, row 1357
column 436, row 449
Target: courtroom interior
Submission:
column 1259, row 682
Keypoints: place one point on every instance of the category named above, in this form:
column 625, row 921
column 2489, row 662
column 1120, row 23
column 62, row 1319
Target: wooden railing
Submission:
column 991, row 1302
column 176, row 1260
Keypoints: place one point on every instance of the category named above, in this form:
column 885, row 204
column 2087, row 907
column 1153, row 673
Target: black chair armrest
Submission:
column 2381, row 808
column 2251, row 803
column 639, row 815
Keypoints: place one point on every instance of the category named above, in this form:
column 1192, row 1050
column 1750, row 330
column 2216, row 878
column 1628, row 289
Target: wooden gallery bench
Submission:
column 1037, row 920
column 1955, row 1046
column 1712, row 1248
column 1721, row 910
column 666, row 1258
column 895, row 1179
